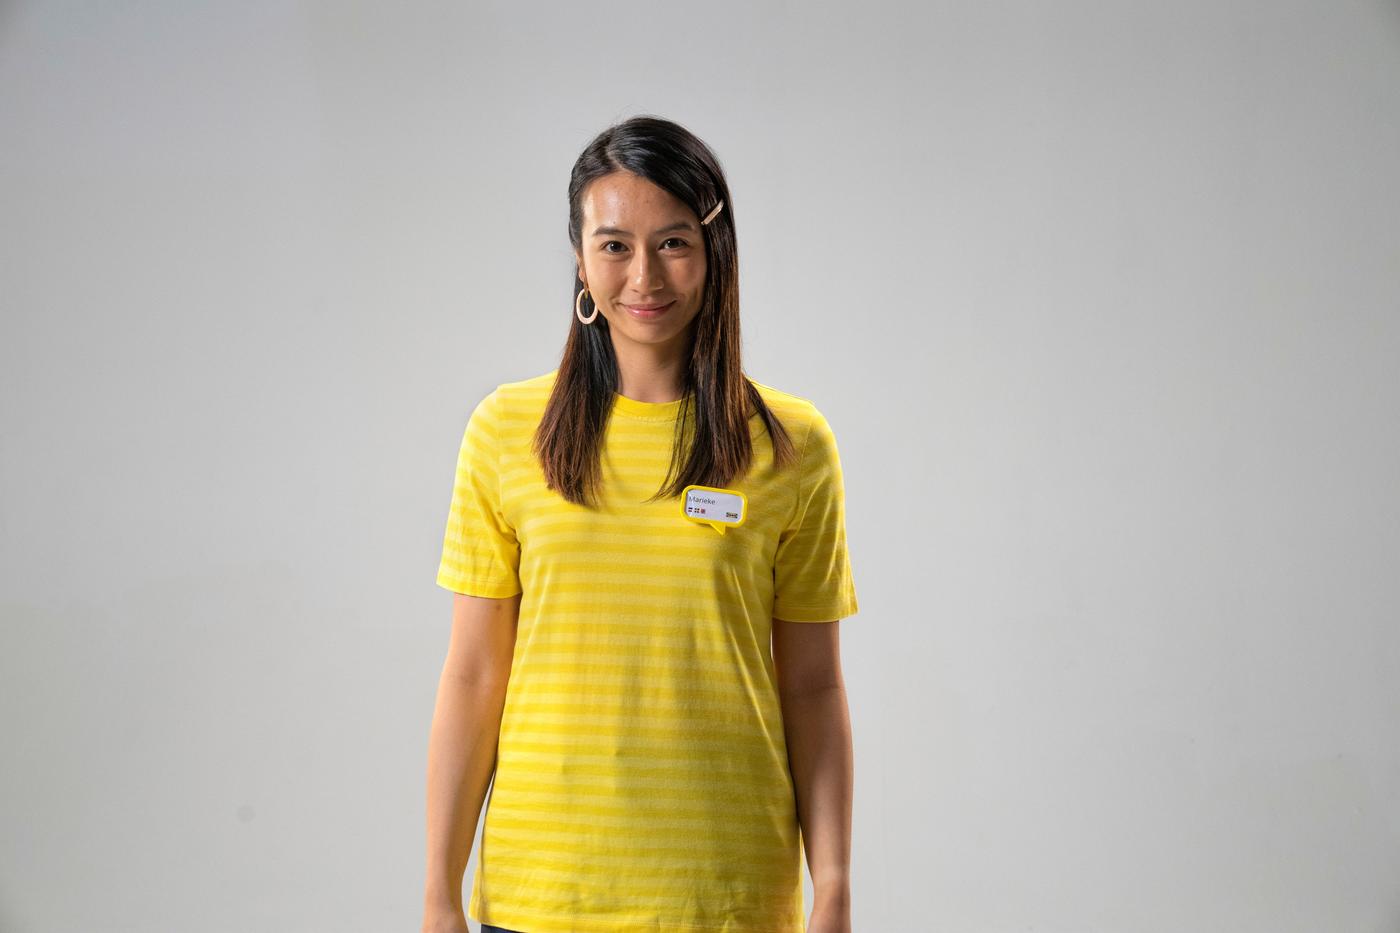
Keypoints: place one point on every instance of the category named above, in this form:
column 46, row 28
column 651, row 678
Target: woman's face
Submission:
column 642, row 248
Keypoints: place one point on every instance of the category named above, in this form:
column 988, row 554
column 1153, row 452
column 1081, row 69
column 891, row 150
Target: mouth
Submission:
column 648, row 312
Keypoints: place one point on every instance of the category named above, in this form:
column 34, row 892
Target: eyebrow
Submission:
column 618, row 231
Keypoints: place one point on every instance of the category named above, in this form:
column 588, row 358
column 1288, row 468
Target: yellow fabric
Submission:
column 642, row 779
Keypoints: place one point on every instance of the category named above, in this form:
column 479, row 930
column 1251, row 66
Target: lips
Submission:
column 648, row 312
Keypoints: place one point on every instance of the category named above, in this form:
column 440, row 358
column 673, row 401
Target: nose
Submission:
column 646, row 272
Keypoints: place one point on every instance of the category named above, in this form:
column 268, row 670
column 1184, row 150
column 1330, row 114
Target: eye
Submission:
column 680, row 244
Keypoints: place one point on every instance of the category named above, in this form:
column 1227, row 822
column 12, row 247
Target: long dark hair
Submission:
column 571, row 429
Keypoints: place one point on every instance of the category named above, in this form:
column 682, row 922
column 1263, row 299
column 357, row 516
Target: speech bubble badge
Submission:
column 711, row 505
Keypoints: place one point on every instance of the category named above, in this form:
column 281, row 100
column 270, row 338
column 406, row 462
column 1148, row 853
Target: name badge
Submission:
column 714, row 506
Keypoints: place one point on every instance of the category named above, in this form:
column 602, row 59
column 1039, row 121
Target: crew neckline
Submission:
column 648, row 411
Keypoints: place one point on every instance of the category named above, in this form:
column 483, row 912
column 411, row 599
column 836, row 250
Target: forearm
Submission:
column 461, row 759
column 818, row 729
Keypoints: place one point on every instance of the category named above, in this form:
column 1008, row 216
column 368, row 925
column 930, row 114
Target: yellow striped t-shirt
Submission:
column 642, row 779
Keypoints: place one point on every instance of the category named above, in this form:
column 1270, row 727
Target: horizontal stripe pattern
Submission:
column 642, row 780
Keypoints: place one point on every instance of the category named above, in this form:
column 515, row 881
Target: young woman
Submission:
column 639, row 541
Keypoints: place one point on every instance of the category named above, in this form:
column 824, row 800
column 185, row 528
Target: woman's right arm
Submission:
column 462, row 746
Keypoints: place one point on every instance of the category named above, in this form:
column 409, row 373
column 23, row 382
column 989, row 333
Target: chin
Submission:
column 652, row 334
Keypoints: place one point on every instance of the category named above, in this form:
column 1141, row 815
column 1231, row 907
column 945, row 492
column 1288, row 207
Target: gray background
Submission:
column 1101, row 300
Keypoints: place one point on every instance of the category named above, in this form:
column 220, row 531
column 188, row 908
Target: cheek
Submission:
column 610, row 279
column 695, row 277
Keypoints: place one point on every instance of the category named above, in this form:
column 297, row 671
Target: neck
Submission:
column 649, row 373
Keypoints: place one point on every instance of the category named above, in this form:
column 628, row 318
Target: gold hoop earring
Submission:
column 578, row 310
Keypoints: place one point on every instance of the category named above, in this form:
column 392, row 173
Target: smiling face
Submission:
column 642, row 248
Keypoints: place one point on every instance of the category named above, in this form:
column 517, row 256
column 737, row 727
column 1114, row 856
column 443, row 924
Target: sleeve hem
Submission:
column 490, row 589
column 832, row 613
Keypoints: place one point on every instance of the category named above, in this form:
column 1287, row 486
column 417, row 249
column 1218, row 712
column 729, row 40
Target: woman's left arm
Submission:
column 817, row 725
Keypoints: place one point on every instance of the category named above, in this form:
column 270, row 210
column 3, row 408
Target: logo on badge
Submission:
column 711, row 505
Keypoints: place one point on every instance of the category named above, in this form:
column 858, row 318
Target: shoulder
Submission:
column 521, row 398
column 797, row 413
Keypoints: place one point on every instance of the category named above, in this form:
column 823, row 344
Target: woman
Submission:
column 631, row 657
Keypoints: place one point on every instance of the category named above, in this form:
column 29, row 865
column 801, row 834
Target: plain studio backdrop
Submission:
column 1102, row 301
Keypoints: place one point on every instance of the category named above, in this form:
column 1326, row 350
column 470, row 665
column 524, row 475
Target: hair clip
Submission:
column 711, row 215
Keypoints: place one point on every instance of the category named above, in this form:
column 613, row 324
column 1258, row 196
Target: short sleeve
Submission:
column 480, row 553
column 812, row 571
